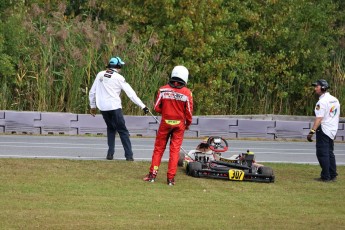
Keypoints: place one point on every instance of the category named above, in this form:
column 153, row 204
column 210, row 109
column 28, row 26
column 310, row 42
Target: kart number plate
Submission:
column 235, row 174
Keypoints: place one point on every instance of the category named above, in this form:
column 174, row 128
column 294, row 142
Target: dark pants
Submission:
column 325, row 155
column 116, row 123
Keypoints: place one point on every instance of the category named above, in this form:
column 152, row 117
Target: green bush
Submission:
column 245, row 57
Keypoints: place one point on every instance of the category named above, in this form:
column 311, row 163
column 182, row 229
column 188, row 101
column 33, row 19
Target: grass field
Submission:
column 67, row 194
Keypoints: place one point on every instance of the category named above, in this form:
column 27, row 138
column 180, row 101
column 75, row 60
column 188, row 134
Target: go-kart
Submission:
column 207, row 161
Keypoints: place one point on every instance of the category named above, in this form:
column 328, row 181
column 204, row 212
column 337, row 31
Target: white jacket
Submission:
column 106, row 89
column 328, row 108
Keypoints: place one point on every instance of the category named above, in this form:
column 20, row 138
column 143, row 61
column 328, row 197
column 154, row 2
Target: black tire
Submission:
column 193, row 168
column 267, row 172
column 180, row 159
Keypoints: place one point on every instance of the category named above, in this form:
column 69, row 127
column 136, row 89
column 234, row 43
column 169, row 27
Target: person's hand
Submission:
column 146, row 110
column 310, row 135
column 93, row 111
column 187, row 128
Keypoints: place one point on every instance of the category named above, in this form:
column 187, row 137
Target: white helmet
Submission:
column 181, row 73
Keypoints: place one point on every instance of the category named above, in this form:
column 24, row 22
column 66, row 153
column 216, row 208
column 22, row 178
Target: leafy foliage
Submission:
column 245, row 57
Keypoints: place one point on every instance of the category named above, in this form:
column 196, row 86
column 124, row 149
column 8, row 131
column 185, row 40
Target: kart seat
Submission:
column 249, row 158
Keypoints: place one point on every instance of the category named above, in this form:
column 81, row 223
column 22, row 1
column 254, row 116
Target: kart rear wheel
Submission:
column 180, row 159
column 266, row 171
column 193, row 168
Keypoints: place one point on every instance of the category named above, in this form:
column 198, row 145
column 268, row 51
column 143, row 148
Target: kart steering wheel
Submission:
column 217, row 144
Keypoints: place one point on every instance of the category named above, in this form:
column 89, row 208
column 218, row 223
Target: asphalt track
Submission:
column 95, row 148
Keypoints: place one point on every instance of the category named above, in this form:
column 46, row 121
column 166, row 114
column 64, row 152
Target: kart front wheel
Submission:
column 193, row 168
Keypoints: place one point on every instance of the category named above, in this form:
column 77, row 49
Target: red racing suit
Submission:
column 175, row 103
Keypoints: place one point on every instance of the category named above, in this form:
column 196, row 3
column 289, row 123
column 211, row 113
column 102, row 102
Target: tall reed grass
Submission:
column 65, row 54
column 338, row 75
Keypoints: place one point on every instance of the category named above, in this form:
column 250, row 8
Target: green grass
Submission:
column 67, row 194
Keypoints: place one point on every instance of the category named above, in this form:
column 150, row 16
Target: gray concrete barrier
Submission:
column 251, row 126
column 2, row 121
column 21, row 122
column 87, row 124
column 57, row 123
column 290, row 129
column 341, row 132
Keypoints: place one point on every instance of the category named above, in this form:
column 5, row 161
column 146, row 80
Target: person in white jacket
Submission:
column 105, row 95
column 327, row 112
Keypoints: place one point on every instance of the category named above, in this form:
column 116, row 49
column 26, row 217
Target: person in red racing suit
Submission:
column 175, row 103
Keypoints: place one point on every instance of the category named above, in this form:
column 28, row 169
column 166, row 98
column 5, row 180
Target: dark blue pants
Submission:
column 325, row 155
column 116, row 123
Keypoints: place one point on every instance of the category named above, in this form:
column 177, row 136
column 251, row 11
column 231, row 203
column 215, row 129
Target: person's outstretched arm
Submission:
column 131, row 93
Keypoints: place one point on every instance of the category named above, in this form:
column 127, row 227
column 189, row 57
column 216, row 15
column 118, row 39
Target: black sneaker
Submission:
column 129, row 159
column 110, row 156
column 171, row 182
column 322, row 180
column 150, row 177
column 334, row 179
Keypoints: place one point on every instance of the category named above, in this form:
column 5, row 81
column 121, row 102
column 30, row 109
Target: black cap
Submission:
column 322, row 82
